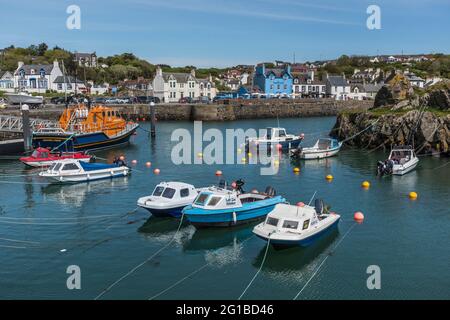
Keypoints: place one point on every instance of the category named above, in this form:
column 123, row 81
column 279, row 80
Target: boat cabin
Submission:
column 40, row 153
column 290, row 218
column 174, row 190
column 402, row 154
column 275, row 133
column 214, row 198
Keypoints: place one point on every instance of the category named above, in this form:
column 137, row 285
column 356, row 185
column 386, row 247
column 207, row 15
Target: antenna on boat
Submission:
column 312, row 198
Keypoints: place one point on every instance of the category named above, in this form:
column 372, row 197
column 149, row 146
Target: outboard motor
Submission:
column 319, row 206
column 380, row 168
column 270, row 191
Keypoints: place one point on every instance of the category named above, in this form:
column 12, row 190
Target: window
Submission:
column 201, row 199
column 214, row 200
column 56, row 167
column 184, row 192
column 282, row 133
column 285, row 86
column 59, row 86
column 70, row 166
column 168, row 193
column 290, row 224
column 305, row 224
column 272, row 221
column 158, row 191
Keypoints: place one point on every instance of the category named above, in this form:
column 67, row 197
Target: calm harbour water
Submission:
column 45, row 228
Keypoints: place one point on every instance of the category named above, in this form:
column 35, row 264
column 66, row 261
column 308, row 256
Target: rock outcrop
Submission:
column 431, row 134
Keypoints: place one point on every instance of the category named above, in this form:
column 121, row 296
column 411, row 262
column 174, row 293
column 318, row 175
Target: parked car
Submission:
column 99, row 100
column 147, row 99
column 185, row 100
column 58, row 100
column 203, row 99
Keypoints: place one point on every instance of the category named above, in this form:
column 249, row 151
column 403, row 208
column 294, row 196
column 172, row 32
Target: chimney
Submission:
column 210, row 78
column 193, row 72
column 343, row 75
column 20, row 64
column 158, row 71
column 55, row 64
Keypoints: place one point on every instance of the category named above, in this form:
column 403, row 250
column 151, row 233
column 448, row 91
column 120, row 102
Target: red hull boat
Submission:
column 43, row 157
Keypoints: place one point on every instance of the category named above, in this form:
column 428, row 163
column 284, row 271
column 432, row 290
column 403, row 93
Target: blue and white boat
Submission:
column 73, row 170
column 323, row 148
column 222, row 207
column 168, row 199
column 274, row 137
column 289, row 225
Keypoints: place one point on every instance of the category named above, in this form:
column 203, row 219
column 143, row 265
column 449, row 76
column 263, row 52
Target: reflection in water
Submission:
column 165, row 229
column 294, row 265
column 76, row 194
column 232, row 254
column 209, row 239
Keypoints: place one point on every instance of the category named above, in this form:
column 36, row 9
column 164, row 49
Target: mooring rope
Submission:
column 323, row 261
column 259, row 270
column 140, row 264
column 357, row 134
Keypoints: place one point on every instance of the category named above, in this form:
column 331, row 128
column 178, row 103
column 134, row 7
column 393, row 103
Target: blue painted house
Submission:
column 274, row 81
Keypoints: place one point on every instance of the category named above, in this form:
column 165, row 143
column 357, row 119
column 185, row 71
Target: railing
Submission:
column 14, row 124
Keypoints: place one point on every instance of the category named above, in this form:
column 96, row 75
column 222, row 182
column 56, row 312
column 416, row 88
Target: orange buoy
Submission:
column 133, row 161
column 156, row 171
column 413, row 195
column 218, row 173
column 365, row 184
column 329, row 177
column 300, row 204
column 358, row 216
column 122, row 158
column 148, row 164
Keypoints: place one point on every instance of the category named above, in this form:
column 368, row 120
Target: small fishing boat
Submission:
column 401, row 160
column 274, row 137
column 72, row 170
column 323, row 148
column 168, row 199
column 289, row 225
column 225, row 207
column 81, row 128
column 43, row 157
column 24, row 98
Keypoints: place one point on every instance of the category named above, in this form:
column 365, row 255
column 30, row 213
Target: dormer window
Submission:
column 32, row 71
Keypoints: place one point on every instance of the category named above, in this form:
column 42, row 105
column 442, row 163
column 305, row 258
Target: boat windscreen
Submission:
column 214, row 201
column 288, row 224
column 272, row 221
column 201, row 199
column 56, row 167
column 158, row 191
column 168, row 193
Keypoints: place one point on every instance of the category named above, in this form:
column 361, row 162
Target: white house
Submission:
column 207, row 88
column 36, row 77
column 171, row 87
column 337, row 87
column 6, row 81
column 98, row 89
column 86, row 59
column 415, row 80
column 303, row 86
column 69, row 84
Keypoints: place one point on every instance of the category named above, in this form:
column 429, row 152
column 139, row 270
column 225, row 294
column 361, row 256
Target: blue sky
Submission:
column 230, row 32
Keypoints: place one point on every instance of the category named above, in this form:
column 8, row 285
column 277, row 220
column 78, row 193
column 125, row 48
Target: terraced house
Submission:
column 273, row 81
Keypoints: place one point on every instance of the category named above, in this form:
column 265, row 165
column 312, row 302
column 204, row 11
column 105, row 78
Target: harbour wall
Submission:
column 228, row 111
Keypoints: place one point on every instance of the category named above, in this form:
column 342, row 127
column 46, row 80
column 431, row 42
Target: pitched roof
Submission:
column 83, row 55
column 37, row 67
column 179, row 77
column 279, row 72
column 338, row 81
column 67, row 79
column 370, row 87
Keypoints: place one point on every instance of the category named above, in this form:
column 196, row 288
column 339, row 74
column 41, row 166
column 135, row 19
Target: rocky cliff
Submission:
column 401, row 115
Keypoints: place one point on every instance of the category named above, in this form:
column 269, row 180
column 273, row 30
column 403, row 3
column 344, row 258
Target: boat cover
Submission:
column 96, row 166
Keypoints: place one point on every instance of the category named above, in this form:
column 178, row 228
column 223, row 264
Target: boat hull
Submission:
column 47, row 163
column 305, row 242
column 400, row 170
column 310, row 155
column 80, row 142
column 285, row 145
column 231, row 217
column 15, row 98
column 90, row 176
column 170, row 212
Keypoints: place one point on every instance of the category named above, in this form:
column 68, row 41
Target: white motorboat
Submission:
column 24, row 98
column 274, row 137
column 401, row 160
column 72, row 170
column 323, row 148
column 289, row 225
column 168, row 199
